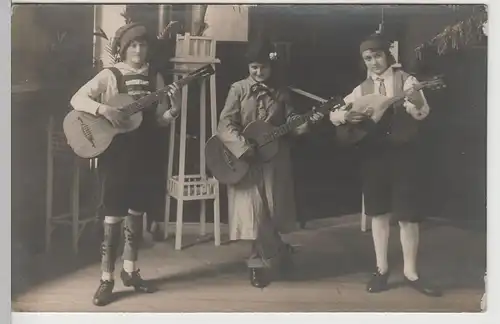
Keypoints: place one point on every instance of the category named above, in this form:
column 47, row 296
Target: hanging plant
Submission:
column 484, row 26
column 463, row 34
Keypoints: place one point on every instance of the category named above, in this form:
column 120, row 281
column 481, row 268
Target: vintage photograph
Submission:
column 182, row 158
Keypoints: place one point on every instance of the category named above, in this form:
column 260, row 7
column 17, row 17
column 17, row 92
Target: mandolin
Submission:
column 376, row 106
column 89, row 135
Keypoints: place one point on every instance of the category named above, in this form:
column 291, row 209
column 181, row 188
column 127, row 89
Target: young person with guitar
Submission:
column 126, row 168
column 389, row 158
column 261, row 204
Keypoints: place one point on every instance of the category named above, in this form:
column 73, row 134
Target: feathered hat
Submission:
column 125, row 35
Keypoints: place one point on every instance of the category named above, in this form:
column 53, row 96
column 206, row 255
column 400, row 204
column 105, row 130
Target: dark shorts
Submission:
column 390, row 183
column 130, row 172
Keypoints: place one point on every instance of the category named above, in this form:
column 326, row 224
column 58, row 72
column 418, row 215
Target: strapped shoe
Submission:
column 104, row 293
column 378, row 282
column 134, row 280
column 424, row 287
column 259, row 277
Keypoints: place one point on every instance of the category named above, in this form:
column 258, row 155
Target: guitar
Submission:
column 89, row 135
column 228, row 169
column 375, row 106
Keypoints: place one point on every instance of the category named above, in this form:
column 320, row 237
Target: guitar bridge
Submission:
column 86, row 132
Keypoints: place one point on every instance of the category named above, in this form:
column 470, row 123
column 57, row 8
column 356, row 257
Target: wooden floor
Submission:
column 332, row 266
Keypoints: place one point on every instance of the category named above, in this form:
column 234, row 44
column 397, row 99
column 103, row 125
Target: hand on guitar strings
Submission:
column 251, row 153
column 316, row 117
column 114, row 115
column 409, row 106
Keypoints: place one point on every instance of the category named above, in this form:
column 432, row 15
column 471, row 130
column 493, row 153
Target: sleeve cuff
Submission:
column 168, row 117
column 338, row 117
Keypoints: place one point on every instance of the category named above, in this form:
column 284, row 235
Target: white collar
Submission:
column 125, row 66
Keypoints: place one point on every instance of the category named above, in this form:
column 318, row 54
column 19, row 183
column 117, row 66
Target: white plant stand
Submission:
column 192, row 53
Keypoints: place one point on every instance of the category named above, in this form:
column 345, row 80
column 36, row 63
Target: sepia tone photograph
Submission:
column 186, row 158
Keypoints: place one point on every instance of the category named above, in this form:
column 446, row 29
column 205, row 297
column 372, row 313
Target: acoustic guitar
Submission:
column 375, row 106
column 228, row 169
column 89, row 135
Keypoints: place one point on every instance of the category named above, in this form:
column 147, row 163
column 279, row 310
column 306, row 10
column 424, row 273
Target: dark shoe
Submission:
column 134, row 280
column 424, row 287
column 104, row 293
column 378, row 282
column 259, row 278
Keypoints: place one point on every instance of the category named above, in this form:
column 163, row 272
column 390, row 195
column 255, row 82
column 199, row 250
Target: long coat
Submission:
column 267, row 191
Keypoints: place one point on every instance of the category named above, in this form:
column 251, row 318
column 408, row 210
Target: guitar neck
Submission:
column 145, row 102
column 294, row 123
column 156, row 96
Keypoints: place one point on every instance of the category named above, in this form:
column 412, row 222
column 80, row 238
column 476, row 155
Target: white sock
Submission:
column 129, row 266
column 380, row 232
column 154, row 227
column 135, row 213
column 112, row 219
column 409, row 233
column 109, row 276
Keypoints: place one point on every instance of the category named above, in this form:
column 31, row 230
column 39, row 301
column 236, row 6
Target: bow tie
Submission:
column 260, row 89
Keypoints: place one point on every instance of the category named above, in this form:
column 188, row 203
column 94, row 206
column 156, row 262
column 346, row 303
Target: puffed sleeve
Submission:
column 337, row 117
column 85, row 99
column 420, row 108
column 230, row 128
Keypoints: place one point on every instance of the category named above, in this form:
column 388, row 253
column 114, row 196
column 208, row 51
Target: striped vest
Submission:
column 137, row 86
column 397, row 125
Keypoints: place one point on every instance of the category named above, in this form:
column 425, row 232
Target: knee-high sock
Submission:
column 380, row 232
column 109, row 246
column 409, row 233
column 133, row 230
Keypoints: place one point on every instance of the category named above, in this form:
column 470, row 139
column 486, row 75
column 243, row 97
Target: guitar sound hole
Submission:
column 86, row 132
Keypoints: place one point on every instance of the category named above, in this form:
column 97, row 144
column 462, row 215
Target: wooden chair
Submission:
column 58, row 149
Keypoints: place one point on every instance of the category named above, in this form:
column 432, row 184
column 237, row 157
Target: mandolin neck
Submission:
column 401, row 97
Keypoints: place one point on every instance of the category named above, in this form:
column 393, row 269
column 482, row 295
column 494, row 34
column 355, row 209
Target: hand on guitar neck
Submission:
column 175, row 99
